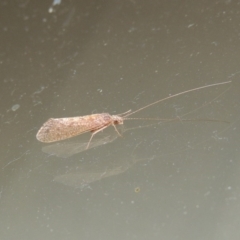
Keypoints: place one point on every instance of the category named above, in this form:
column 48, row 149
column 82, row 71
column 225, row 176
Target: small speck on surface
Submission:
column 15, row 107
column 137, row 189
column 55, row 2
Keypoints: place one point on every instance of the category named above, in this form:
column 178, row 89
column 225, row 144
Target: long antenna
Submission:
column 179, row 119
column 175, row 95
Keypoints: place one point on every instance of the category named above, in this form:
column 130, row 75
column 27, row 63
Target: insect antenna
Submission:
column 175, row 95
column 153, row 119
column 179, row 119
column 122, row 114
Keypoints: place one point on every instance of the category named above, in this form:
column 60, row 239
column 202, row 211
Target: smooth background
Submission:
column 176, row 180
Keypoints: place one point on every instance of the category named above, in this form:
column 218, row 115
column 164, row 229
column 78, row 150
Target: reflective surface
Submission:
column 160, row 180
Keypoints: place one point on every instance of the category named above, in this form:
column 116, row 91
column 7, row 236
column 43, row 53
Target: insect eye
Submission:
column 116, row 122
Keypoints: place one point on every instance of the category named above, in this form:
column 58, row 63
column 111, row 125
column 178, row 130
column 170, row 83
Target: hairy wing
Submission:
column 56, row 129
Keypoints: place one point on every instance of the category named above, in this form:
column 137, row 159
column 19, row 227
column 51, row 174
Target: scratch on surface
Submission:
column 14, row 160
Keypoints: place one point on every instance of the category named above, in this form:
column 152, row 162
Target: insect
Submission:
column 56, row 129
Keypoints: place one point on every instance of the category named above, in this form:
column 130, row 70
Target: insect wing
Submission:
column 56, row 129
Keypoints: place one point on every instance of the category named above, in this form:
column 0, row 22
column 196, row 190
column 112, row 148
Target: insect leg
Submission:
column 95, row 132
column 116, row 130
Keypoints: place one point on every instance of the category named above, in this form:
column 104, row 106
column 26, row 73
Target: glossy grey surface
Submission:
column 176, row 180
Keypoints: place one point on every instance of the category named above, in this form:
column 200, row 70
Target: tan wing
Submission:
column 56, row 129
